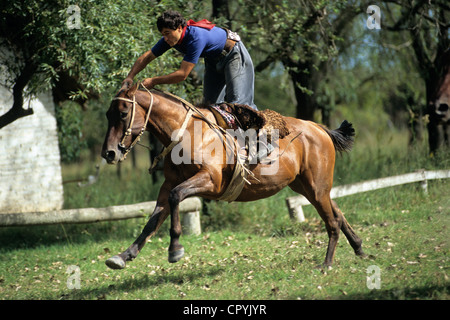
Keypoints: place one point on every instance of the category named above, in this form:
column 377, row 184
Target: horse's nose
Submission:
column 110, row 156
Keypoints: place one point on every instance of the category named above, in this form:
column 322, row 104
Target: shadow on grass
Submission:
column 143, row 282
column 432, row 292
column 13, row 238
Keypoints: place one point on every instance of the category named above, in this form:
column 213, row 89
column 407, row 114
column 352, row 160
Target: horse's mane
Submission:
column 136, row 88
column 167, row 96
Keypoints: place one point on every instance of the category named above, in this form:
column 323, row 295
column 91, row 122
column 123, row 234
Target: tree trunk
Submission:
column 434, row 78
column 304, row 80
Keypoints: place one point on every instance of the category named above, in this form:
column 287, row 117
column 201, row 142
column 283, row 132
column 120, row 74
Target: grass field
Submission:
column 246, row 250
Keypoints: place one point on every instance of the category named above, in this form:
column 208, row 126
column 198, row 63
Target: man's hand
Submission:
column 127, row 84
column 138, row 66
column 148, row 83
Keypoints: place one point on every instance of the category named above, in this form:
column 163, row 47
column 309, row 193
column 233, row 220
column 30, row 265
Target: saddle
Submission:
column 239, row 116
column 234, row 116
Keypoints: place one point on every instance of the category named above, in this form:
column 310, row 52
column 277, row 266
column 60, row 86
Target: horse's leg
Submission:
column 332, row 223
column 352, row 238
column 197, row 184
column 157, row 218
column 319, row 196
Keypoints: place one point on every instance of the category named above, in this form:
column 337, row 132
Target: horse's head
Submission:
column 125, row 126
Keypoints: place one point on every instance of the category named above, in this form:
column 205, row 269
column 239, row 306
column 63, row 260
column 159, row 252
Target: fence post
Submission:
column 295, row 210
column 295, row 203
column 424, row 182
column 191, row 223
column 190, row 216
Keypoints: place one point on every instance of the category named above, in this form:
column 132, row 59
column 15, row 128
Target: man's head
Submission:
column 171, row 24
column 170, row 20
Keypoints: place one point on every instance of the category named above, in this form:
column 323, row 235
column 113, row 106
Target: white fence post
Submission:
column 190, row 223
column 295, row 209
column 424, row 182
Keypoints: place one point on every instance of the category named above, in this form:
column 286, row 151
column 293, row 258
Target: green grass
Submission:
column 246, row 250
column 410, row 246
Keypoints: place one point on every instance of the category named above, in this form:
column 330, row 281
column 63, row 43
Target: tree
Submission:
column 78, row 51
column 427, row 25
column 304, row 36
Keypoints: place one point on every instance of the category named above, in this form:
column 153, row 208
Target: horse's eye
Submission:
column 123, row 115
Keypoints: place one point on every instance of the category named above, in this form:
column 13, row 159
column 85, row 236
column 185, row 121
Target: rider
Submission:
column 229, row 74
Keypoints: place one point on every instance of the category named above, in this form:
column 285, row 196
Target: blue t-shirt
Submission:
column 197, row 42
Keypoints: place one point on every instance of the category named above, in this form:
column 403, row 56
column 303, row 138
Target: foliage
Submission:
column 70, row 120
column 320, row 51
column 425, row 27
column 304, row 36
column 91, row 48
column 98, row 52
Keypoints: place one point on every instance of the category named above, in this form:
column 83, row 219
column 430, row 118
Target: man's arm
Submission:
column 138, row 66
column 174, row 77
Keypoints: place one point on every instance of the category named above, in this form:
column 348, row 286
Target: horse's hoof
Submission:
column 115, row 262
column 323, row 267
column 360, row 253
column 175, row 256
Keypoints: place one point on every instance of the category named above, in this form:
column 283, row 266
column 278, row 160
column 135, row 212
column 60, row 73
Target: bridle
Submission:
column 129, row 129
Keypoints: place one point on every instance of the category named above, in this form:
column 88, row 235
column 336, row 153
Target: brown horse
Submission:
column 306, row 165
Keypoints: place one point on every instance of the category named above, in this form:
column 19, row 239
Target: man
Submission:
column 229, row 75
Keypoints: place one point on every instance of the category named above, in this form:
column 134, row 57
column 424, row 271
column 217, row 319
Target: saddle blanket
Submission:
column 228, row 117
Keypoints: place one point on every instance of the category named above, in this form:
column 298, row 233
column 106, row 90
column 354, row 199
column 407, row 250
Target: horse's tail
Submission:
column 342, row 137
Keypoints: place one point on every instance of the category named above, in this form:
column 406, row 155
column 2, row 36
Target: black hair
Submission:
column 171, row 20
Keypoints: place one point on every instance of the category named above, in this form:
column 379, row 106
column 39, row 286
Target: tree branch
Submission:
column 274, row 56
column 406, row 16
column 17, row 111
